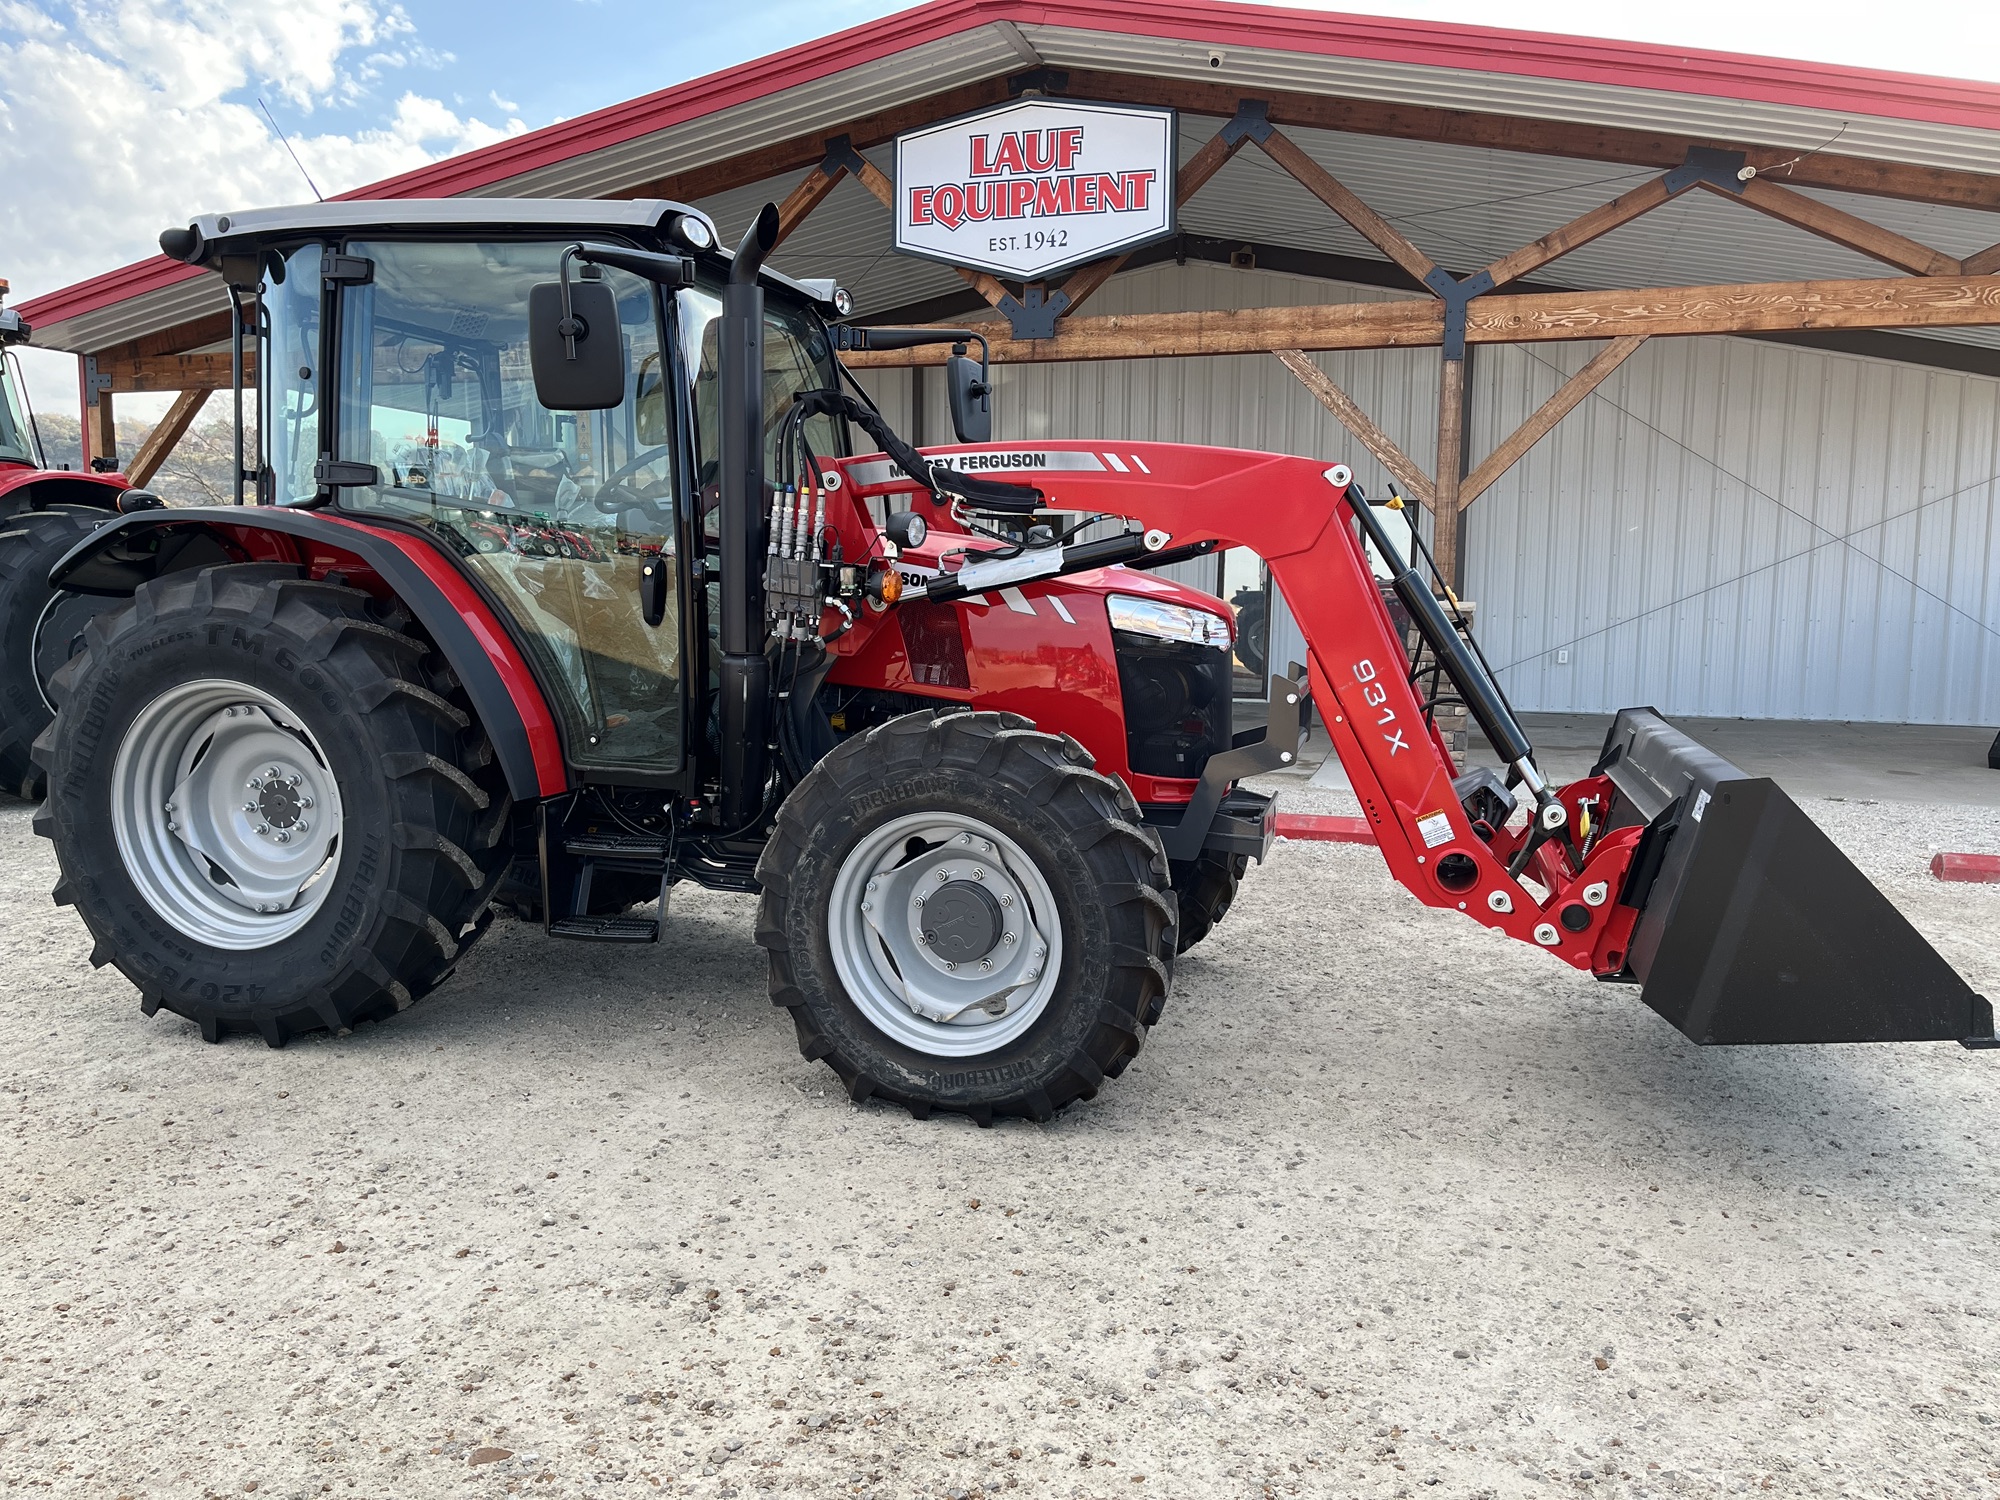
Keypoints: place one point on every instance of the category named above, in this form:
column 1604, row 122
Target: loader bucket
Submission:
column 1752, row 926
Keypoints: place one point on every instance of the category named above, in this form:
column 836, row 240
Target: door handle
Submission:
column 653, row 589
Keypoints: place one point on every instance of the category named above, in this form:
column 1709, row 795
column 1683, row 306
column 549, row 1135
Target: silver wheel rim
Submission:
column 226, row 813
column 945, row 934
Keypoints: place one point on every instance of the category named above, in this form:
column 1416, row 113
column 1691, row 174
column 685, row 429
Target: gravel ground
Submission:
column 1386, row 1203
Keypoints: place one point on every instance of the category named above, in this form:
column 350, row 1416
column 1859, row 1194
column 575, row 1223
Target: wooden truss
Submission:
column 1937, row 290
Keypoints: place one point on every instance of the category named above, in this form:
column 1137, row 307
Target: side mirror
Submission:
column 578, row 358
column 971, row 399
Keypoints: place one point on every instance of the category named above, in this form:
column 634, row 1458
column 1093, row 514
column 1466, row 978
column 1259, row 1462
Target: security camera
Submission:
column 1215, row 59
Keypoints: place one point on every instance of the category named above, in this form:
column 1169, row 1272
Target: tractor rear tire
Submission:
column 39, row 629
column 1032, row 856
column 1206, row 888
column 355, row 725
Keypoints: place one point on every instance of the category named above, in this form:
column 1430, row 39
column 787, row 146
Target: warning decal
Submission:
column 1435, row 828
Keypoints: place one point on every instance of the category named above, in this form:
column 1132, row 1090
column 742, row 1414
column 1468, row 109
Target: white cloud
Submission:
column 116, row 122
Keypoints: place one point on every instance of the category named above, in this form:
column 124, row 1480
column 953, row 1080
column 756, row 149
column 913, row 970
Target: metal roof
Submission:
column 921, row 52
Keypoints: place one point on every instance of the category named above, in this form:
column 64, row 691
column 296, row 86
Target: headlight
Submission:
column 694, row 232
column 1167, row 622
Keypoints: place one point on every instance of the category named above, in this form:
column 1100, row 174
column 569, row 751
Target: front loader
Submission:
column 578, row 567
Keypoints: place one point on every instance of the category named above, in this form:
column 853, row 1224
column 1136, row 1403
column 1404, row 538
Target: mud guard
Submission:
column 126, row 552
column 1753, row 927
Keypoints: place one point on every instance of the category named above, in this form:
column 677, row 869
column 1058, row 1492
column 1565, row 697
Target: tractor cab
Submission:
column 397, row 388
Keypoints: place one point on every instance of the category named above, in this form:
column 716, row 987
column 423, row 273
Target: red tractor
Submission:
column 44, row 512
column 578, row 567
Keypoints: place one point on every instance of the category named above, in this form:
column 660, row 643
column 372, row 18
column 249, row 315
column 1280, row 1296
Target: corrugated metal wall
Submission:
column 1739, row 529
column 1725, row 528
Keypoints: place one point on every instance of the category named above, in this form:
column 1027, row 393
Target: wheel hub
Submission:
column 961, row 921
column 945, row 934
column 226, row 814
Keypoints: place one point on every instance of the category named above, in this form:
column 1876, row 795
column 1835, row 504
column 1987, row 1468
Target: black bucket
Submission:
column 1752, row 926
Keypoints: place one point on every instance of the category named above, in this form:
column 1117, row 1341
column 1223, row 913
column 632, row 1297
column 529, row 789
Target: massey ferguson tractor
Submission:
column 578, row 567
column 43, row 513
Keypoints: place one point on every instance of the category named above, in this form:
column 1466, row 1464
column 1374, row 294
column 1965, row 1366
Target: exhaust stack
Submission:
column 1753, row 927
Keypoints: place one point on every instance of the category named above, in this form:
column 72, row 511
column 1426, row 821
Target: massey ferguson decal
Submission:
column 1031, row 188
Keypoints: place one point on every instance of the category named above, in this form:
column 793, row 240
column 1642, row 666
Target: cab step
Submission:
column 618, row 929
column 625, row 851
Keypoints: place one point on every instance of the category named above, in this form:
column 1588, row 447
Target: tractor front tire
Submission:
column 963, row 915
column 269, row 805
column 1206, row 889
column 38, row 628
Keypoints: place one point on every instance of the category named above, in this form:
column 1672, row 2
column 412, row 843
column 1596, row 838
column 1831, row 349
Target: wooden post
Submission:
column 1450, row 472
column 100, row 426
column 161, row 441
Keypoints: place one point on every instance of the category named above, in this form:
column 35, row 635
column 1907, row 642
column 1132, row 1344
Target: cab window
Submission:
column 554, row 511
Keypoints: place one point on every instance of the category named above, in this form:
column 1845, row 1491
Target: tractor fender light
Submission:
column 1167, row 622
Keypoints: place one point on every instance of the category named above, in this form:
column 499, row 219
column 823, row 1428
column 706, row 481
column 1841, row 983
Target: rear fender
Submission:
column 386, row 560
column 37, row 489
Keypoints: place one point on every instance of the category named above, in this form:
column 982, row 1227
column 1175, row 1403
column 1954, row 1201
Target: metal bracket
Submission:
column 347, row 270
column 1719, row 169
column 1455, row 295
column 1038, row 81
column 1277, row 745
column 1033, row 315
column 340, row 473
column 841, row 157
column 1251, row 122
column 94, row 384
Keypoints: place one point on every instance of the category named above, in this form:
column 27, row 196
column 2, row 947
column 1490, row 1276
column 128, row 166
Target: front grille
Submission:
column 1177, row 703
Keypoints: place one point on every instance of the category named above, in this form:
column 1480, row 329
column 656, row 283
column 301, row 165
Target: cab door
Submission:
column 553, row 512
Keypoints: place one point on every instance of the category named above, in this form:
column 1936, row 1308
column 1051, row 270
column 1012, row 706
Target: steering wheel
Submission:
column 616, row 495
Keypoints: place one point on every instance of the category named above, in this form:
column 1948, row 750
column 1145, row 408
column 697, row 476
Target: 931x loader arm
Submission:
column 1667, row 867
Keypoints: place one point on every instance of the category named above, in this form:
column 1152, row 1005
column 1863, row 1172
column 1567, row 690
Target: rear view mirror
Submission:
column 971, row 399
column 578, row 358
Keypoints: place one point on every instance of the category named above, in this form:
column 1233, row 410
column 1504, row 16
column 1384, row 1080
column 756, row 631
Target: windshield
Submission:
column 17, row 444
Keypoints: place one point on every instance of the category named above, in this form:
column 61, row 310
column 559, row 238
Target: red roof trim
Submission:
column 1722, row 75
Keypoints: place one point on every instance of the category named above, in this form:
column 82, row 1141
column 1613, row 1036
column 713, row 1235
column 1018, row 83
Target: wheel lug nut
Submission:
column 305, row 802
column 1006, row 900
column 871, row 884
column 170, row 807
column 951, row 968
column 263, row 828
column 304, row 826
column 292, row 780
column 867, row 906
column 1034, row 973
column 1006, row 937
column 965, row 838
column 284, row 838
column 985, row 963
column 249, row 807
column 977, row 873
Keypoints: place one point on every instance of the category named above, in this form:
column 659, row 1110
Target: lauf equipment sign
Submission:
column 1032, row 188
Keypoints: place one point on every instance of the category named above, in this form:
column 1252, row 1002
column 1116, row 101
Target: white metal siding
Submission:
column 1740, row 529
column 1725, row 528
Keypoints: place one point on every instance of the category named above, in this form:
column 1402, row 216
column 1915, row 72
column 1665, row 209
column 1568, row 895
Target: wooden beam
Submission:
column 1445, row 522
column 1580, row 231
column 162, row 439
column 802, row 200
column 100, row 430
column 175, row 372
column 1355, row 420
column 1561, row 404
column 1200, row 167
column 1540, row 137
column 1774, row 307
column 1842, row 228
column 1985, row 263
column 1324, row 186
